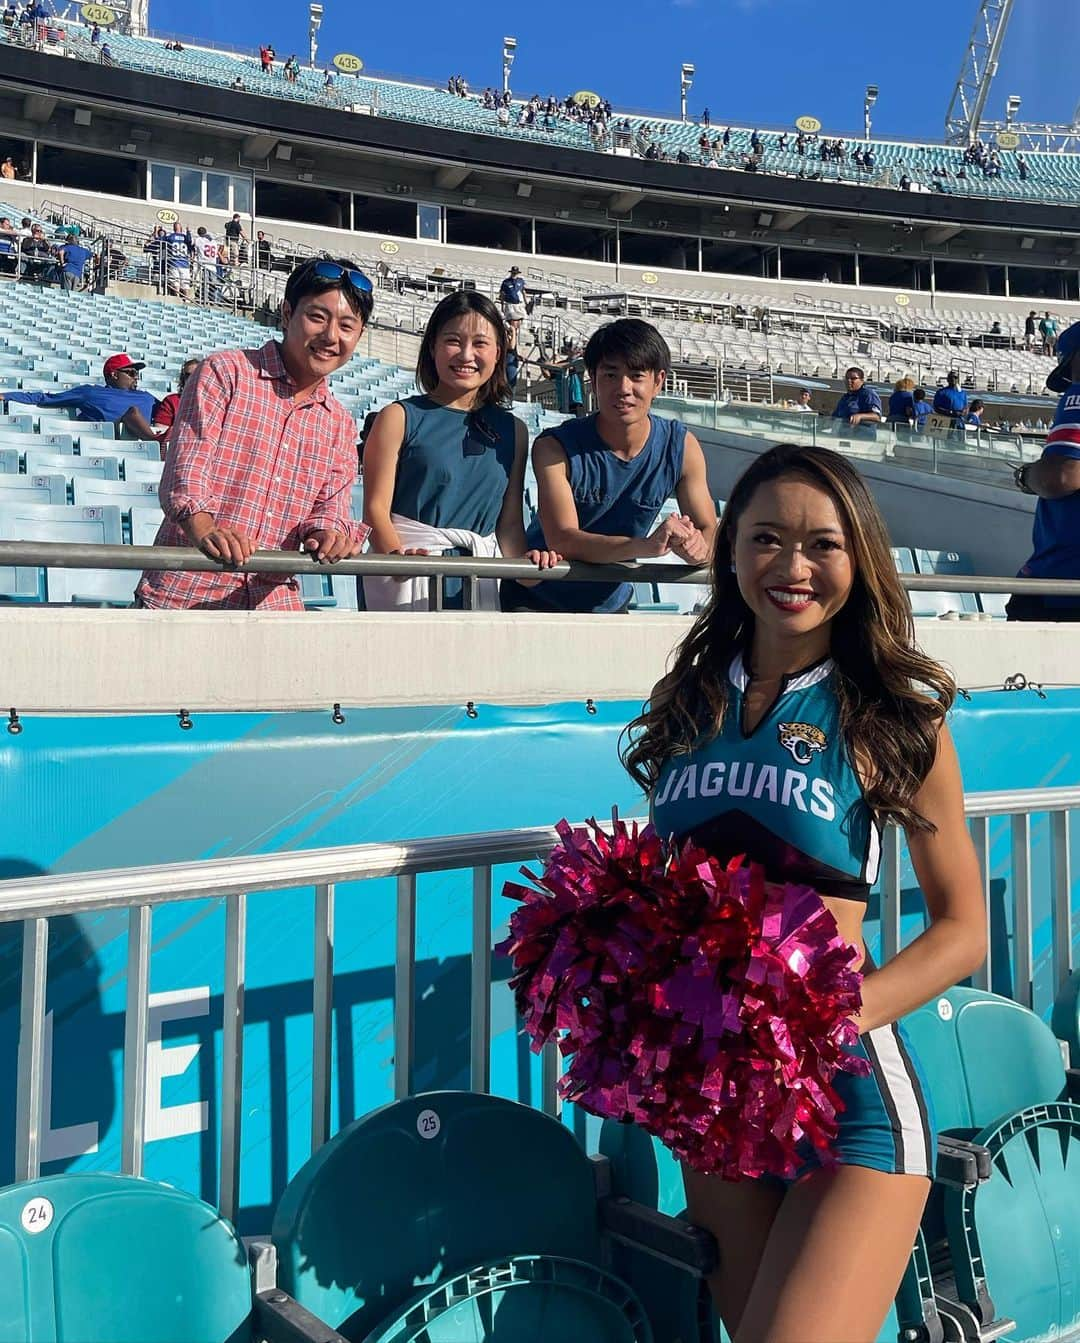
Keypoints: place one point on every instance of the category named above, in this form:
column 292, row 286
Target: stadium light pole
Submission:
column 868, row 102
column 1012, row 106
column 686, row 79
column 315, row 13
column 509, row 49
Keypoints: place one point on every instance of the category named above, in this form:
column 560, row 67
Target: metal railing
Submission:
column 70, row 555
column 35, row 900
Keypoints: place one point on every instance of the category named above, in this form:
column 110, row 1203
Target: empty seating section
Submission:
column 1051, row 176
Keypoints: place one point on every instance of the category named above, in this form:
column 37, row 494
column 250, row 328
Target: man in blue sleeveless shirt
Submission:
column 603, row 479
column 1055, row 478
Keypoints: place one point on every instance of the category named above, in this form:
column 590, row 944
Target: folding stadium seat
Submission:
column 83, row 526
column 103, row 468
column 139, row 468
column 491, row 1204
column 997, row 1079
column 9, row 461
column 90, row 491
column 96, row 1258
column 144, row 525
column 33, row 489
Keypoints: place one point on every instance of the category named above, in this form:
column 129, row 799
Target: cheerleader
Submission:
column 798, row 717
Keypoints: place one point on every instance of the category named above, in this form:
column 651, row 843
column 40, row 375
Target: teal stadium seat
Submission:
column 118, row 1260
column 998, row 1079
column 99, row 1258
column 9, row 461
column 450, row 1188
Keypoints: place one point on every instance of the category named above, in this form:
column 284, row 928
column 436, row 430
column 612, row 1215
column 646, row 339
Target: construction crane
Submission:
column 965, row 122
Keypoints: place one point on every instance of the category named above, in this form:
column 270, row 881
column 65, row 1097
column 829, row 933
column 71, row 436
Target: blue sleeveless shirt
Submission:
column 614, row 497
column 786, row 795
column 451, row 473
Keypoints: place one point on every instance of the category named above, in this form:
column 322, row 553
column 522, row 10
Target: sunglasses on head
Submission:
column 330, row 270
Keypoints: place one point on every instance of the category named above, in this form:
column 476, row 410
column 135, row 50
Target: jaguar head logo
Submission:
column 802, row 740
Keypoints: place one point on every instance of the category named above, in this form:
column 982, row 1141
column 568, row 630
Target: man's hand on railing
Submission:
column 327, row 547
column 228, row 545
column 695, row 549
column 672, row 533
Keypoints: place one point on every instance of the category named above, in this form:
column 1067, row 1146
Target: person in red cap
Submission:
column 118, row 401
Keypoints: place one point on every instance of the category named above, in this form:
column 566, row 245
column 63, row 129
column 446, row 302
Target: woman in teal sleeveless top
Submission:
column 798, row 717
column 444, row 472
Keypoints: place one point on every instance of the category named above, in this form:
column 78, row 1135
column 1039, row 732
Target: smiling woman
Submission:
column 445, row 471
column 797, row 718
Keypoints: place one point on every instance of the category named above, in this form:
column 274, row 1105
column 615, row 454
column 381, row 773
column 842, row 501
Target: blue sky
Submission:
column 765, row 61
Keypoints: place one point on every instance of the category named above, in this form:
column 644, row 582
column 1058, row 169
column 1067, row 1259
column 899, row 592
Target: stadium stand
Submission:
column 1048, row 177
column 65, row 480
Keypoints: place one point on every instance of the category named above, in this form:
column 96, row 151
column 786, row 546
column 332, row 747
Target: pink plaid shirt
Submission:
column 243, row 451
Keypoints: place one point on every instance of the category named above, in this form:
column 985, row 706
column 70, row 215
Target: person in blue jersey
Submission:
column 902, row 404
column 444, row 472
column 921, row 407
column 799, row 715
column 860, row 406
column 603, row 479
column 951, row 399
column 1055, row 479
column 118, row 401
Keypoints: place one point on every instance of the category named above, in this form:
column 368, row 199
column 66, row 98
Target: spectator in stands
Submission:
column 1029, row 330
column 261, row 453
column 38, row 262
column 902, row 403
column 512, row 297
column 7, row 228
column 291, row 69
column 263, row 254
column 566, row 374
column 604, row 479
column 237, row 85
column 176, row 250
column 105, row 55
column 165, row 414
column 1055, row 480
column 7, row 169
column 234, row 238
column 974, row 417
column 74, row 258
column 267, row 55
column 205, row 254
column 25, row 227
column 1048, row 332
column 95, row 35
column 446, row 470
column 951, row 399
column 802, row 402
column 119, row 401
column 860, row 406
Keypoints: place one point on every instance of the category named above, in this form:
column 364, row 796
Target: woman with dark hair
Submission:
column 445, row 471
column 798, row 717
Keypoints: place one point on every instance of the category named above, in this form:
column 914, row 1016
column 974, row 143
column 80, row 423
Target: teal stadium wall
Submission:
column 80, row 793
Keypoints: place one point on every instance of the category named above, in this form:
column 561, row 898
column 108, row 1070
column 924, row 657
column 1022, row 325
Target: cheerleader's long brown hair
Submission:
column 892, row 697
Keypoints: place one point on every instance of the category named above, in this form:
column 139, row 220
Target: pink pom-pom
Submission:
column 696, row 1000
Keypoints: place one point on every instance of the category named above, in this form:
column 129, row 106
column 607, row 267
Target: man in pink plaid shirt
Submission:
column 262, row 457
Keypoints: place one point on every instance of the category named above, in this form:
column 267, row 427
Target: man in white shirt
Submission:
column 802, row 402
column 206, row 255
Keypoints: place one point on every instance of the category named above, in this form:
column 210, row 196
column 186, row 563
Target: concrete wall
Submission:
column 79, row 661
